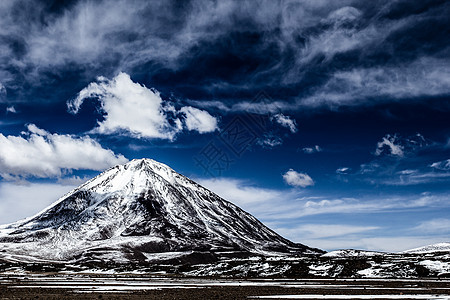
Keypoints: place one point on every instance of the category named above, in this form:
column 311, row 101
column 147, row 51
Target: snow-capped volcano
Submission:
column 139, row 211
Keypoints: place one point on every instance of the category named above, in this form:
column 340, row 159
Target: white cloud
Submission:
column 87, row 29
column 423, row 77
column 342, row 236
column 199, row 120
column 128, row 106
column 72, row 180
column 442, row 165
column 285, row 121
column 269, row 140
column 380, row 243
column 402, row 161
column 282, row 209
column 11, row 109
column 240, row 192
column 18, row 202
column 317, row 231
column 296, row 207
column 338, row 38
column 413, row 177
column 92, row 33
column 311, row 150
column 2, row 89
column 138, row 111
column 95, row 34
column 435, row 226
column 295, row 178
column 389, row 143
column 344, row 170
column 42, row 154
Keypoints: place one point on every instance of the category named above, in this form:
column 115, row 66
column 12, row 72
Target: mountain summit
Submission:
column 140, row 211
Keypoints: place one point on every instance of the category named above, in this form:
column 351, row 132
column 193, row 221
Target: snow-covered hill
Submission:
column 139, row 211
column 352, row 253
column 440, row 247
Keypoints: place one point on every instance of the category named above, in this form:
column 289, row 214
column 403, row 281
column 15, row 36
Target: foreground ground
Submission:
column 132, row 286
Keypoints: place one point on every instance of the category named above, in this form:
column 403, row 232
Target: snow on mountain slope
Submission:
column 439, row 247
column 136, row 212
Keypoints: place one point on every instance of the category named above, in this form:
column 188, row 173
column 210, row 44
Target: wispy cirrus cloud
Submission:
column 434, row 226
column 2, row 89
column 415, row 177
column 273, row 204
column 27, row 199
column 270, row 140
column 319, row 231
column 365, row 86
column 304, row 53
column 311, row 150
column 403, row 161
column 441, row 165
column 295, row 215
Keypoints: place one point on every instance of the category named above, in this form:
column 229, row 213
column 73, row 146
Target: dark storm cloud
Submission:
column 302, row 53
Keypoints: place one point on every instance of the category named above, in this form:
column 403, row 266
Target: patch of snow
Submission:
column 352, row 253
column 437, row 266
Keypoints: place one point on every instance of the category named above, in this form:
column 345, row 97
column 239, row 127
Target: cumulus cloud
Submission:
column 136, row 110
column 11, row 109
column 42, row 154
column 199, row 120
column 389, row 144
column 285, row 121
column 128, row 106
column 311, row 150
column 295, row 178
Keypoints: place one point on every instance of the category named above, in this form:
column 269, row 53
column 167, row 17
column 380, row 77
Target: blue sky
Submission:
column 327, row 120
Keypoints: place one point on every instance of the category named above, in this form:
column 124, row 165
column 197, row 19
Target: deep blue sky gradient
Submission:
column 350, row 73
